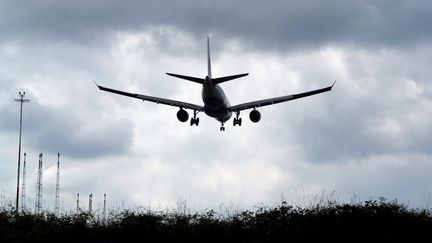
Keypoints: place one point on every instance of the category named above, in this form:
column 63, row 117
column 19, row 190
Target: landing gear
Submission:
column 194, row 120
column 222, row 128
column 237, row 120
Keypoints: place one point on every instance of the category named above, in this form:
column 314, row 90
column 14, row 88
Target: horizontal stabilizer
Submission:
column 228, row 78
column 193, row 79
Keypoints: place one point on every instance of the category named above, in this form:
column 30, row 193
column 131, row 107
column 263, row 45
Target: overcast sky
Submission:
column 370, row 137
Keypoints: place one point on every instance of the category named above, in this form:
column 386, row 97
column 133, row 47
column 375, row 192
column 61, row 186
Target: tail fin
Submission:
column 221, row 79
column 209, row 74
column 208, row 58
column 194, row 79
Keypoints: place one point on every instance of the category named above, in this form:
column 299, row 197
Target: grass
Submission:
column 369, row 221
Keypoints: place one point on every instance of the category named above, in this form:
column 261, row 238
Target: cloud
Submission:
column 61, row 116
column 385, row 113
column 286, row 25
column 54, row 130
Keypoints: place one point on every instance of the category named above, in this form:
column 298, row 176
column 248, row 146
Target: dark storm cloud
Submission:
column 346, row 136
column 273, row 24
column 51, row 130
column 380, row 108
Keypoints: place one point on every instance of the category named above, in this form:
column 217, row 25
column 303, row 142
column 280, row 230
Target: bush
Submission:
column 370, row 221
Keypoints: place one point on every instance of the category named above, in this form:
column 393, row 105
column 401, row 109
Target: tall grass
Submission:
column 369, row 221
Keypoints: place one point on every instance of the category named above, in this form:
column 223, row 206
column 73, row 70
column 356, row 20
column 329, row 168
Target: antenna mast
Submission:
column 57, row 198
column 90, row 203
column 57, row 202
column 38, row 207
column 21, row 100
column 77, row 205
column 104, row 209
column 23, row 206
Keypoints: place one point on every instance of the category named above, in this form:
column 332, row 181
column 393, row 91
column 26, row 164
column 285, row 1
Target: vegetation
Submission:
column 369, row 221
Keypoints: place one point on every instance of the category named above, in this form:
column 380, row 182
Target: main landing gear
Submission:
column 237, row 120
column 194, row 120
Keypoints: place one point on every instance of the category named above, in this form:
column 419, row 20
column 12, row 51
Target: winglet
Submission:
column 332, row 85
column 96, row 84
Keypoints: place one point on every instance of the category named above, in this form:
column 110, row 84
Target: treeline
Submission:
column 369, row 221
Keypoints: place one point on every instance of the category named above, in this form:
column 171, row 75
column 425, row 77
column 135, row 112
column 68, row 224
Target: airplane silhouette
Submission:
column 216, row 104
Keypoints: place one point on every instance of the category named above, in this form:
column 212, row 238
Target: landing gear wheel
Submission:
column 194, row 120
column 222, row 128
column 237, row 120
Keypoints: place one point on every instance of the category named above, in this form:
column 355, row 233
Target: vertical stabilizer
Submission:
column 208, row 58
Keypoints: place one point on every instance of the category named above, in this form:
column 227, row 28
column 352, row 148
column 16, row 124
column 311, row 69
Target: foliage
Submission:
column 369, row 221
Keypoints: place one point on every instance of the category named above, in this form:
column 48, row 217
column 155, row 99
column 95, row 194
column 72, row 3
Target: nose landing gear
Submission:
column 222, row 128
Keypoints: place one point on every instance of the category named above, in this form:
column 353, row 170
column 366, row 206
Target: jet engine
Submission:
column 255, row 116
column 182, row 115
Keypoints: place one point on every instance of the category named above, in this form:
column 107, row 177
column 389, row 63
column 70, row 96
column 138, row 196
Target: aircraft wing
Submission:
column 272, row 101
column 154, row 99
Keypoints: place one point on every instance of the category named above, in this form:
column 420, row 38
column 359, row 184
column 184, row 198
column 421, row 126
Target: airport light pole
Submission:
column 21, row 100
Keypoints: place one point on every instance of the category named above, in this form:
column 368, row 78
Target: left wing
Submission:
column 276, row 100
column 154, row 99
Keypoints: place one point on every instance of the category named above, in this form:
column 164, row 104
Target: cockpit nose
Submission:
column 207, row 78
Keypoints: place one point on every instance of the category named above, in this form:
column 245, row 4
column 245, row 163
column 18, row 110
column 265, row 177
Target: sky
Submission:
column 370, row 137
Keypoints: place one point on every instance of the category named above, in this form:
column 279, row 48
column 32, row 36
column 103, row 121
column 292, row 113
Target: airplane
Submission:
column 216, row 104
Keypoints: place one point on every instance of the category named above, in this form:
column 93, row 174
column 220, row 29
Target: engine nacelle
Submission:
column 255, row 116
column 182, row 115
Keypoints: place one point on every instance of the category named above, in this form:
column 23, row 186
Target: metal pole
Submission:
column 23, row 187
column 90, row 208
column 40, row 185
column 21, row 100
column 57, row 198
column 104, row 209
column 38, row 206
column 77, row 205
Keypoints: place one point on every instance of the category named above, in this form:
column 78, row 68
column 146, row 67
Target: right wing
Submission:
column 271, row 101
column 154, row 99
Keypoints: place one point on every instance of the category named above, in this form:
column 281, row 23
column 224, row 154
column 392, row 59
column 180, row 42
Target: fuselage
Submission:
column 215, row 101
